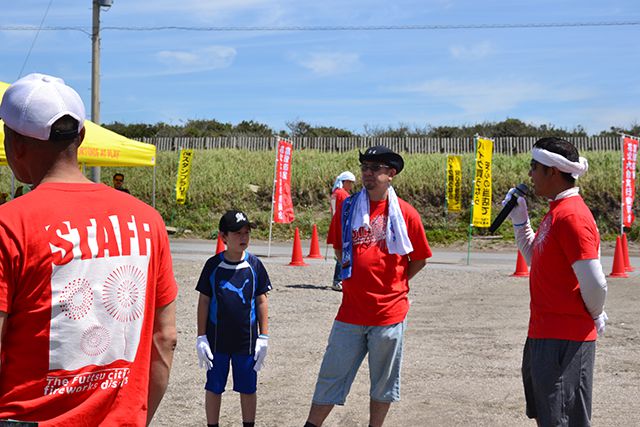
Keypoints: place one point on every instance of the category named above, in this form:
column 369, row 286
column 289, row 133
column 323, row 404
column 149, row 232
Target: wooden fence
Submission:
column 510, row 145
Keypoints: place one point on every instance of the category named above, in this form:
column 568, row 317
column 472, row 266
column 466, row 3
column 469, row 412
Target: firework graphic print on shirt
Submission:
column 97, row 303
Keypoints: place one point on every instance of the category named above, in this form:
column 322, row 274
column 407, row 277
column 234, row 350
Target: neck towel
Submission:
column 355, row 214
column 547, row 158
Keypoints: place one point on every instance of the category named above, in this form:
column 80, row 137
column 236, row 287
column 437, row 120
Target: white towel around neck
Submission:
column 397, row 236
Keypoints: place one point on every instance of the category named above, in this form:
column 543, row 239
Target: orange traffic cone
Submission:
column 296, row 255
column 625, row 251
column 521, row 267
column 618, row 261
column 220, row 246
column 314, row 251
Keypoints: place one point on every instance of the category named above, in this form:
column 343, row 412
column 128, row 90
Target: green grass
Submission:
column 221, row 180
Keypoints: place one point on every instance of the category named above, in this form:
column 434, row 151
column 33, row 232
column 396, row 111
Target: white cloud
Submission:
column 208, row 58
column 325, row 64
column 473, row 52
column 477, row 98
column 598, row 119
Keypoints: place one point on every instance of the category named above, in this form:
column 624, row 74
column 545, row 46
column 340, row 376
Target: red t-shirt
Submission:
column 568, row 233
column 376, row 292
column 83, row 268
column 338, row 197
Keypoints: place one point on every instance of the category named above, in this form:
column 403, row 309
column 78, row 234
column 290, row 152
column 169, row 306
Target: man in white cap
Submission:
column 87, row 311
column 380, row 240
column 567, row 288
column 340, row 191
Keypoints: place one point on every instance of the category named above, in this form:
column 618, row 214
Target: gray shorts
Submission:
column 558, row 381
column 348, row 345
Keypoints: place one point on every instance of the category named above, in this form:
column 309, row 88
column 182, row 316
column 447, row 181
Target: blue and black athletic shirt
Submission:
column 232, row 325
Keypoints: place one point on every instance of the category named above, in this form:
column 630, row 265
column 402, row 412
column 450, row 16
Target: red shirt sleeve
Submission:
column 7, row 250
column 340, row 195
column 578, row 237
column 415, row 229
column 166, row 286
column 335, row 229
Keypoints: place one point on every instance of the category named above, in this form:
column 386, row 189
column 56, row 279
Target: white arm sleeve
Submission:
column 524, row 239
column 593, row 284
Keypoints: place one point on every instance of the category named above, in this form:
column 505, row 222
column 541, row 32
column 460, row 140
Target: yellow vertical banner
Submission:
column 454, row 183
column 184, row 176
column 482, row 184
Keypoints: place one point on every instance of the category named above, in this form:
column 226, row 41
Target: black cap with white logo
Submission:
column 234, row 220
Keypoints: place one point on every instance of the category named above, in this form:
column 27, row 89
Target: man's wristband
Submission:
column 265, row 336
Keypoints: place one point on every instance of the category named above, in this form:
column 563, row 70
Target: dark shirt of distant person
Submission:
column 118, row 183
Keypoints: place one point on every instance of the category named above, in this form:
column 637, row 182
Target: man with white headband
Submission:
column 567, row 288
column 340, row 191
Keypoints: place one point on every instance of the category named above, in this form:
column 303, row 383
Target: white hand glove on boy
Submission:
column 519, row 214
column 261, row 351
column 205, row 356
column 600, row 322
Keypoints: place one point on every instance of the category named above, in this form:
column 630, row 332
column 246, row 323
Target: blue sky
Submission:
column 571, row 76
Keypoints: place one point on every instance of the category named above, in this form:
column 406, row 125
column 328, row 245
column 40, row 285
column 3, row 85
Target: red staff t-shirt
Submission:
column 83, row 268
column 338, row 197
column 568, row 233
column 376, row 292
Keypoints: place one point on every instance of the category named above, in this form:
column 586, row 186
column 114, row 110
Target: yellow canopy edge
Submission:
column 101, row 147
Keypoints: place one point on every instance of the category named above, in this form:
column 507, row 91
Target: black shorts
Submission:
column 558, row 381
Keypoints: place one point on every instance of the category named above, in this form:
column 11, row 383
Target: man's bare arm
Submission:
column 163, row 344
column 415, row 267
column 3, row 325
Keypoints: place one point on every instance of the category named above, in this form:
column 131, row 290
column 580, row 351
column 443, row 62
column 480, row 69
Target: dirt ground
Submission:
column 466, row 329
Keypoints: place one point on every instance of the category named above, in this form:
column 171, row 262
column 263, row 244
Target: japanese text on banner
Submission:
column 454, row 183
column 482, row 184
column 283, row 205
column 629, row 157
column 184, row 176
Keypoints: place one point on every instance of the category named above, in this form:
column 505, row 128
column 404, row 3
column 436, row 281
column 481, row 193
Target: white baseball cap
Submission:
column 31, row 105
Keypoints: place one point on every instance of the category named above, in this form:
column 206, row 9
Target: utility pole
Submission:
column 95, row 71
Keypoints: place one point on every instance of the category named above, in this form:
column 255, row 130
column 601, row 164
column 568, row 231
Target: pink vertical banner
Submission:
column 283, row 205
column 629, row 156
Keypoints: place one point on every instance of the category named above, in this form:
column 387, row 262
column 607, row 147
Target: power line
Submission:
column 33, row 43
column 87, row 31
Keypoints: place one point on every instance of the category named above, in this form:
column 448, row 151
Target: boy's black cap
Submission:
column 234, row 220
column 383, row 154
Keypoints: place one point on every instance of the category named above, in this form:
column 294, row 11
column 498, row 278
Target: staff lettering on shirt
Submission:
column 98, row 237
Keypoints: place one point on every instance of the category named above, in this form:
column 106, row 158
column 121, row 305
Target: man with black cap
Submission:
column 380, row 241
column 87, row 292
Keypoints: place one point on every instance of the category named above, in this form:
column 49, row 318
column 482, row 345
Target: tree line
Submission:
column 212, row 128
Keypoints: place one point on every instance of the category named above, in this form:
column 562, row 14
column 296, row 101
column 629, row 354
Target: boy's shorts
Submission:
column 245, row 379
column 348, row 345
column 558, row 380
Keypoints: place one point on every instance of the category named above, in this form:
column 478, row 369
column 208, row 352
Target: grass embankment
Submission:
column 222, row 179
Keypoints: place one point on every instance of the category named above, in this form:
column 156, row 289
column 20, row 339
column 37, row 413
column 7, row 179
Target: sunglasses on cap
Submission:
column 373, row 167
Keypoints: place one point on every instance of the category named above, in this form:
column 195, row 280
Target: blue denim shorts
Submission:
column 245, row 379
column 347, row 347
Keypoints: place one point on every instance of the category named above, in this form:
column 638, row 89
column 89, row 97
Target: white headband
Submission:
column 547, row 158
column 344, row 176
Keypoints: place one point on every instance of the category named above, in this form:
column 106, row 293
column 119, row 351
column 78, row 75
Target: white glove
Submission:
column 519, row 214
column 261, row 351
column 205, row 356
column 600, row 322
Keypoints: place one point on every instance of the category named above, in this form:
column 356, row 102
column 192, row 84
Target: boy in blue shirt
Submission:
column 233, row 323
